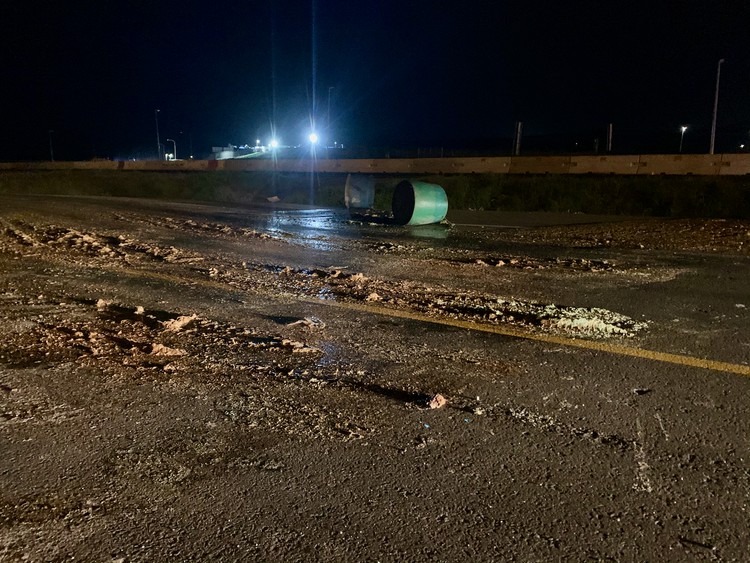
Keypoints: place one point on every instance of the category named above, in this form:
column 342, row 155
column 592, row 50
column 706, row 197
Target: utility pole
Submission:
column 609, row 138
column 328, row 118
column 517, row 139
column 158, row 142
column 716, row 106
column 51, row 152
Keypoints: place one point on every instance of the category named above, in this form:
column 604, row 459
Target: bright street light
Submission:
column 274, row 144
column 313, row 138
column 174, row 148
column 682, row 134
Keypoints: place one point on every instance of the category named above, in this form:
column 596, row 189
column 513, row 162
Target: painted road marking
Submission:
column 678, row 359
column 618, row 349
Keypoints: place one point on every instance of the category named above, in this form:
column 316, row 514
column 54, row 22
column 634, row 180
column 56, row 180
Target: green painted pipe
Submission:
column 419, row 203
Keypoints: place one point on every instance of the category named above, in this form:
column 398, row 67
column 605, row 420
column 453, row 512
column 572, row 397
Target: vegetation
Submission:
column 664, row 196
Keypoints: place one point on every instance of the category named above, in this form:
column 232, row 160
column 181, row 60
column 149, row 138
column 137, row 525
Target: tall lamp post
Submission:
column 682, row 135
column 716, row 106
column 51, row 152
column 328, row 114
column 158, row 142
column 174, row 148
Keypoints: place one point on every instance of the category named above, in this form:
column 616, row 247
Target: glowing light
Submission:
column 313, row 138
column 274, row 144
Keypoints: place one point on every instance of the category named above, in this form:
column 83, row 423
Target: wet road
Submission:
column 596, row 397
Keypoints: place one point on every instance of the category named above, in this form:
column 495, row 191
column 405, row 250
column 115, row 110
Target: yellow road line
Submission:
column 609, row 348
column 677, row 359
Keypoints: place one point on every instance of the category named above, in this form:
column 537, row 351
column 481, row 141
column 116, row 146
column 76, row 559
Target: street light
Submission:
column 716, row 106
column 313, row 137
column 682, row 134
column 158, row 143
column 174, row 148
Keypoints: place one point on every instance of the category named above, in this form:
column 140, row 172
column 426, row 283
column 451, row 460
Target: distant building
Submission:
column 231, row 151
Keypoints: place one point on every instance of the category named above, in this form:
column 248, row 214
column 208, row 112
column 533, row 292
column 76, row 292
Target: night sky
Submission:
column 403, row 73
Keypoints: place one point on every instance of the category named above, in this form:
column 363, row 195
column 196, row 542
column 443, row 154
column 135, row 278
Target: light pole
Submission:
column 174, row 148
column 328, row 115
column 158, row 143
column 682, row 134
column 51, row 153
column 716, row 106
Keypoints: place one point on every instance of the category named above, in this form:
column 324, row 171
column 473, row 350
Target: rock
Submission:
column 438, row 401
column 161, row 350
column 298, row 347
column 180, row 323
column 373, row 297
column 309, row 322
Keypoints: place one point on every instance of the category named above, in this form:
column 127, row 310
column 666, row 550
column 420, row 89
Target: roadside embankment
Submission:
column 657, row 195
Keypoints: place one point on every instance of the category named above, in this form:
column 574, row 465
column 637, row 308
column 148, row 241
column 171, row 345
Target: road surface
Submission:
column 189, row 382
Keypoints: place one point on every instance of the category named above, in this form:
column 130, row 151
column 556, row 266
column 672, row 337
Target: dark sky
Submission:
column 399, row 73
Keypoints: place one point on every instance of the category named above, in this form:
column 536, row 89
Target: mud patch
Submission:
column 473, row 306
column 527, row 263
column 107, row 336
column 189, row 225
column 90, row 244
column 695, row 235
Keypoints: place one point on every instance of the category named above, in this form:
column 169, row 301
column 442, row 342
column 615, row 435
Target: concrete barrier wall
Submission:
column 735, row 164
column 540, row 165
column 621, row 165
column 697, row 164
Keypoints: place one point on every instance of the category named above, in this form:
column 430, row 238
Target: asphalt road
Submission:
column 190, row 382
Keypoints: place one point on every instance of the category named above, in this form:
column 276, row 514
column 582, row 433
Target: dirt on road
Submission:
column 180, row 382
